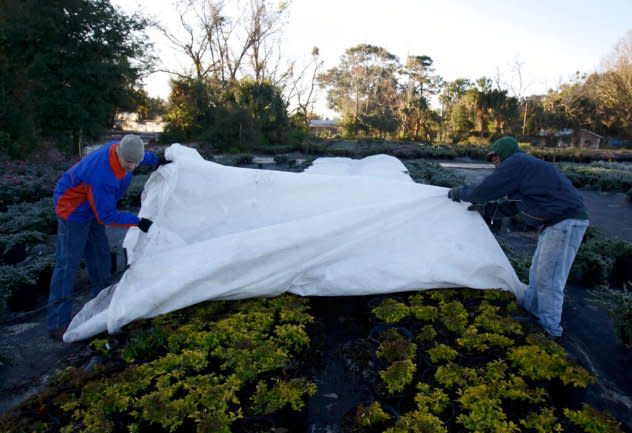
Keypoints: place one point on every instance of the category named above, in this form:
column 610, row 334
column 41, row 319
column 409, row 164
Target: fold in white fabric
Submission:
column 343, row 227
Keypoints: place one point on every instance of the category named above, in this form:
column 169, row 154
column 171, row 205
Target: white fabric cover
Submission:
column 344, row 227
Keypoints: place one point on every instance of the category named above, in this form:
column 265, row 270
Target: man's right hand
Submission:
column 163, row 161
column 144, row 224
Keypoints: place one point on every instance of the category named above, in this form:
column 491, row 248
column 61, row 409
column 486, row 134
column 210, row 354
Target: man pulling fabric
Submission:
column 85, row 200
column 544, row 198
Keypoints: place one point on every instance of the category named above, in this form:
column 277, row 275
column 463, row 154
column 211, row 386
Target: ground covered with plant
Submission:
column 441, row 360
column 457, row 360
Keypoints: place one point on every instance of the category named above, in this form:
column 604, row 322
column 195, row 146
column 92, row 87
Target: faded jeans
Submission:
column 74, row 241
column 550, row 266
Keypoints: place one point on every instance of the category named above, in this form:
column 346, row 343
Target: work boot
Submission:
column 57, row 334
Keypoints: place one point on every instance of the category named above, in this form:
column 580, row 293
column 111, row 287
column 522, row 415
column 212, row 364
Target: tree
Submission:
column 612, row 89
column 224, row 47
column 421, row 84
column 454, row 125
column 70, row 64
column 302, row 90
column 363, row 88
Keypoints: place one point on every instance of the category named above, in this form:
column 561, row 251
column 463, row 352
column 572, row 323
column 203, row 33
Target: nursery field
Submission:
column 458, row 360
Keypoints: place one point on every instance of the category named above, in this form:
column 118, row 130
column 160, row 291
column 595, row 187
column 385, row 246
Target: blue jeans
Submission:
column 75, row 240
column 550, row 266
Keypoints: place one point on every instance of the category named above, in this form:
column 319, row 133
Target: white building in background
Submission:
column 324, row 127
column 130, row 122
column 568, row 138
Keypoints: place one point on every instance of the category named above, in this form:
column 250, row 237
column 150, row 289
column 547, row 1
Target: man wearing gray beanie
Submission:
column 85, row 200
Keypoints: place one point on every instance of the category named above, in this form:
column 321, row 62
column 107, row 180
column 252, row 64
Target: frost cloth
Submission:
column 343, row 227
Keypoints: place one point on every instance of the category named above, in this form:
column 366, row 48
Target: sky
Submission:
column 550, row 40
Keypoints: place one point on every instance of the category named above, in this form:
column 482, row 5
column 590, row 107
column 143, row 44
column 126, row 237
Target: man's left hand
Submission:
column 455, row 194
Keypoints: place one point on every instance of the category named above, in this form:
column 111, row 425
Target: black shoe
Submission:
column 57, row 334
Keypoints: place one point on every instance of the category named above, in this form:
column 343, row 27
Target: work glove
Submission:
column 163, row 161
column 478, row 207
column 455, row 194
column 144, row 224
column 487, row 210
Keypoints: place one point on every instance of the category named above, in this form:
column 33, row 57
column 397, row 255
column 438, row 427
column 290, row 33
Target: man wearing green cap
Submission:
column 85, row 201
column 546, row 199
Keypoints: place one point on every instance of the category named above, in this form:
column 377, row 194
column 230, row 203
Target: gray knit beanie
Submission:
column 131, row 148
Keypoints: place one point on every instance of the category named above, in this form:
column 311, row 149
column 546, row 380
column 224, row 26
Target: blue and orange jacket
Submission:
column 92, row 187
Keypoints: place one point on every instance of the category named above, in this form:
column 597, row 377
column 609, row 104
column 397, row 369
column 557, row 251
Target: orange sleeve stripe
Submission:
column 71, row 199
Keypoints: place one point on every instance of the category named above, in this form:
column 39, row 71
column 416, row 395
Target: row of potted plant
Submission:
column 208, row 368
column 473, row 363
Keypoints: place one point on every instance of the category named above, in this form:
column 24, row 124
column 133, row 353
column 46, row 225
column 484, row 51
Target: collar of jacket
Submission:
column 119, row 172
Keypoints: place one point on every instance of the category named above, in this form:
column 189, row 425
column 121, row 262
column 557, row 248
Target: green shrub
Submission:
column 441, row 353
column 398, row 375
column 543, row 421
column 132, row 197
column 591, row 420
column 454, row 316
column 391, row 311
column 599, row 255
column 431, row 173
column 618, row 304
column 22, row 181
column 190, row 370
column 418, row 421
column 395, row 347
column 269, row 399
column 23, row 217
column 27, row 237
column 371, row 414
column 602, row 176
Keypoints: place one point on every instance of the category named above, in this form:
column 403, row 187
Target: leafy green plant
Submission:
column 398, row 375
column 454, row 316
column 426, row 334
column 145, row 345
column 291, row 336
column 541, row 359
column 441, row 353
column 543, row 421
column 420, row 310
column 269, row 399
column 489, row 320
column 453, row 375
column 497, row 295
column 418, row 422
column 434, row 400
column 474, row 341
column 391, row 311
column 482, row 410
column 188, row 370
column 371, row 414
column 591, row 420
column 395, row 346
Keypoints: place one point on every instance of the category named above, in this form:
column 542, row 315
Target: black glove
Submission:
column 455, row 194
column 477, row 207
column 144, row 224
column 487, row 210
column 163, row 161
